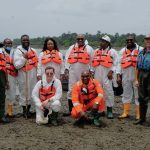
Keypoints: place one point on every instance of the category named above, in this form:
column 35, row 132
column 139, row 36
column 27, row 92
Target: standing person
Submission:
column 87, row 95
column 50, row 56
column 126, row 67
column 3, row 82
column 104, row 62
column 143, row 80
column 25, row 61
column 12, row 74
column 77, row 60
column 46, row 95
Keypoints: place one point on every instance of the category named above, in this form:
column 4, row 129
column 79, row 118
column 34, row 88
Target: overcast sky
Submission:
column 54, row 17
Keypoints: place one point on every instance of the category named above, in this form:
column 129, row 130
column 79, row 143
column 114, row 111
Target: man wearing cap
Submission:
column 3, row 82
column 126, row 68
column 143, row 80
column 105, row 62
column 77, row 60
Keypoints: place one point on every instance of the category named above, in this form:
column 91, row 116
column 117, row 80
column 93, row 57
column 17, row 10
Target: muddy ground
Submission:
column 24, row 134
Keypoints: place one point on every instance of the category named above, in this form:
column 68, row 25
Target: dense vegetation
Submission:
column 67, row 39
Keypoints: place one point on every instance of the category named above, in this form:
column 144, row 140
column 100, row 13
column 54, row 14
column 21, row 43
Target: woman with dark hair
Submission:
column 50, row 56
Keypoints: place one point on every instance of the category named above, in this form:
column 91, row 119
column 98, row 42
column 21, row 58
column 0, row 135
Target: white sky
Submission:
column 39, row 18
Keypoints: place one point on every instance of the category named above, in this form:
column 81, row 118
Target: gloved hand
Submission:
column 45, row 103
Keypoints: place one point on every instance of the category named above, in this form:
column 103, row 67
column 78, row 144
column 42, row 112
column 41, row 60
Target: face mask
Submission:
column 8, row 48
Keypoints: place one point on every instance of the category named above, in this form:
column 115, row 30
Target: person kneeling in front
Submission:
column 46, row 95
column 87, row 96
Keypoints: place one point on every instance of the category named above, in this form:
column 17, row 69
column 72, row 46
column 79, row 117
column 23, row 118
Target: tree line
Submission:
column 67, row 39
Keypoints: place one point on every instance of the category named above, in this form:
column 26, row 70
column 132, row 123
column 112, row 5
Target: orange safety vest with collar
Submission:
column 32, row 61
column 129, row 59
column 79, row 55
column 2, row 62
column 10, row 69
column 46, row 92
column 102, row 58
column 51, row 56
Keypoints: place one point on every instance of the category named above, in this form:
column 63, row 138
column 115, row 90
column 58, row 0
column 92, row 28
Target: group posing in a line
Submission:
column 91, row 76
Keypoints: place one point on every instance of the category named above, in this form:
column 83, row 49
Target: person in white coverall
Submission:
column 25, row 60
column 46, row 95
column 50, row 56
column 12, row 76
column 126, row 67
column 77, row 60
column 104, row 62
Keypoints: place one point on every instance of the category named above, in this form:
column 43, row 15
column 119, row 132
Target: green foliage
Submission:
column 67, row 39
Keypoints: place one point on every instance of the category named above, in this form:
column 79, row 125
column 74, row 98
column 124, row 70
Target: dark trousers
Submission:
column 2, row 93
column 144, row 92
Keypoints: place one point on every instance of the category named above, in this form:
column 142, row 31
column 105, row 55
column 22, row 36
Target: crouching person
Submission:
column 87, row 96
column 46, row 95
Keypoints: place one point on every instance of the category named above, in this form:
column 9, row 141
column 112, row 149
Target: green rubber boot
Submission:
column 109, row 113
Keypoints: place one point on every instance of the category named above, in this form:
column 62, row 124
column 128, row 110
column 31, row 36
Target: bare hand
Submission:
column 39, row 78
column 45, row 103
column 25, row 55
column 136, row 83
column 110, row 75
column 42, row 108
column 119, row 79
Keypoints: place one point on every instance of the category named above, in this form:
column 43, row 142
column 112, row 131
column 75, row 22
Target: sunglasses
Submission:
column 49, row 73
column 80, row 39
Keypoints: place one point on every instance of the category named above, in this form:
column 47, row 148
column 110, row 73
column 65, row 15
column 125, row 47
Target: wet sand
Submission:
column 24, row 134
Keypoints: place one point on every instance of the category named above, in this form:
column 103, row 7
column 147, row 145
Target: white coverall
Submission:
column 76, row 69
column 59, row 68
column 11, row 91
column 101, row 73
column 128, row 77
column 54, row 104
column 19, row 62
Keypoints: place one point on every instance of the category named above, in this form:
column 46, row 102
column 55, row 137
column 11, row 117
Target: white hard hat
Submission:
column 106, row 38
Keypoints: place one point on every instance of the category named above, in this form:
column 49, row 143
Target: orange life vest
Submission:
column 129, row 59
column 102, row 58
column 10, row 69
column 79, row 55
column 31, row 62
column 51, row 56
column 2, row 62
column 46, row 92
column 87, row 93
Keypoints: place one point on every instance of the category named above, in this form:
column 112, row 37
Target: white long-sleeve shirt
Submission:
column 57, row 85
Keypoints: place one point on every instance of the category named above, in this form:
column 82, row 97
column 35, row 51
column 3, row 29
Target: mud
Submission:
column 24, row 134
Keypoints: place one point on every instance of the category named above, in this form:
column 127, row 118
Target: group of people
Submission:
column 91, row 77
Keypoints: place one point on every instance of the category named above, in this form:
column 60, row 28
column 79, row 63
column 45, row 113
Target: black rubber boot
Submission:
column 143, row 111
column 80, row 122
column 70, row 108
column 26, row 111
column 53, row 118
column 4, row 120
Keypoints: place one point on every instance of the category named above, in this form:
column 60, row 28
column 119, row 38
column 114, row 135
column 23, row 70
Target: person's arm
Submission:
column 39, row 67
column 35, row 94
column 19, row 59
column 100, row 91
